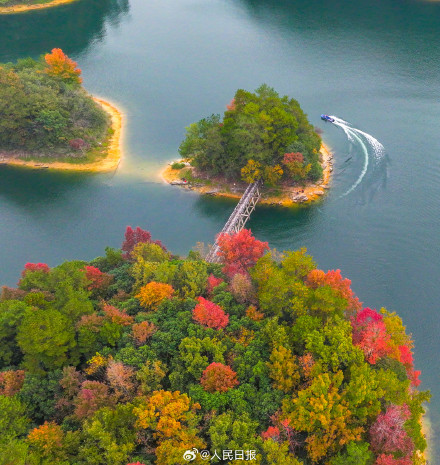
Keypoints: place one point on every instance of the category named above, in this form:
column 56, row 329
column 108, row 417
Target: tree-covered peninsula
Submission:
column 46, row 113
column 143, row 357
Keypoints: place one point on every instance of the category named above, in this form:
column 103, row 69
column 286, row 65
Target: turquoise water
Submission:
column 169, row 63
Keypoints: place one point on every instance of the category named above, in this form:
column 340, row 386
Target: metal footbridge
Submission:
column 238, row 217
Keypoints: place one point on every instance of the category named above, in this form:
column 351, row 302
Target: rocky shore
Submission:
column 284, row 196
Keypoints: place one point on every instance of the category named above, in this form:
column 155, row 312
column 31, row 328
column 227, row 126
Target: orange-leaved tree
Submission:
column 61, row 66
column 152, row 294
column 47, row 440
column 142, row 331
column 218, row 378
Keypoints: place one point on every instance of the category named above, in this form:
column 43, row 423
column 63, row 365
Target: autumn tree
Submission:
column 284, row 369
column 11, row 381
column 47, row 441
column 171, row 416
column 121, row 378
column 142, row 331
column 240, row 251
column 61, row 66
column 388, row 434
column 370, row 334
column 209, row 314
column 134, row 237
column 98, row 280
column 153, row 294
column 218, row 378
column 251, row 172
column 334, row 279
column 212, row 283
column 272, row 174
column 294, row 163
column 242, row 288
column 92, row 396
column 324, row 414
column 117, row 316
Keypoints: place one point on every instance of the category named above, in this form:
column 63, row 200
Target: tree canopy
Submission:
column 261, row 135
column 44, row 109
column 141, row 357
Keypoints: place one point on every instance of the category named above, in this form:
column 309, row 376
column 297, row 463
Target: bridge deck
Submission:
column 238, row 217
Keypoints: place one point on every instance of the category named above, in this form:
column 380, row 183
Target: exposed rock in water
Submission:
column 300, row 198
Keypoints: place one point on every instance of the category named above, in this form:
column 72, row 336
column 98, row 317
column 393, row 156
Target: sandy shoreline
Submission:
column 290, row 196
column 109, row 163
column 21, row 8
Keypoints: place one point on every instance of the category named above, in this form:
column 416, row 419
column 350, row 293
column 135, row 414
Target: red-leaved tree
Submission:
column 35, row 267
column 212, row 282
column 209, row 314
column 387, row 433
column 98, row 279
column 273, row 432
column 370, row 334
column 136, row 236
column 240, row 251
column 293, row 157
column 218, row 378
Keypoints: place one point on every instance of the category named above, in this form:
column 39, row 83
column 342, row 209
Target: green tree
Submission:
column 11, row 315
column 109, row 437
column 13, row 419
column 46, row 338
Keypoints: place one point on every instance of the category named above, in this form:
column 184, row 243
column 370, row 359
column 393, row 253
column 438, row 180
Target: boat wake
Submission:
column 355, row 135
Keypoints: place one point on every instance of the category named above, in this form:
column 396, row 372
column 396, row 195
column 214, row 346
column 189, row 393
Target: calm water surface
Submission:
column 169, row 63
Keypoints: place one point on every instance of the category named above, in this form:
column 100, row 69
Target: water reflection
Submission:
column 33, row 190
column 72, row 27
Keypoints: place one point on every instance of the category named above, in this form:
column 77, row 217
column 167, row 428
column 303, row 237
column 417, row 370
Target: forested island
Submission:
column 49, row 120
column 262, row 136
column 142, row 357
column 22, row 6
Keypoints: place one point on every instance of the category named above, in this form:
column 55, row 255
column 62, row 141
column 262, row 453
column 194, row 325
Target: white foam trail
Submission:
column 340, row 120
column 377, row 147
column 365, row 167
column 345, row 129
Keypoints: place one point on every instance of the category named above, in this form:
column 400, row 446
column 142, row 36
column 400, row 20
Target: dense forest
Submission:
column 143, row 357
column 262, row 136
column 45, row 111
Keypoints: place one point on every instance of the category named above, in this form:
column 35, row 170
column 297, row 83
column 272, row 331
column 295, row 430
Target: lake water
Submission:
column 168, row 63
